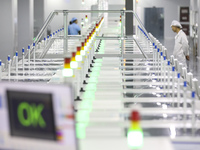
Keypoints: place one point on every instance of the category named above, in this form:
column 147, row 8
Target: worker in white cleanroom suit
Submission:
column 181, row 48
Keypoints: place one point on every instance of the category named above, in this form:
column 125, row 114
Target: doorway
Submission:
column 154, row 22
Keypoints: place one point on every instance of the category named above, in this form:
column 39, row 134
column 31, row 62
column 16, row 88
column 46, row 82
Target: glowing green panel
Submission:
column 24, row 107
column 83, row 116
column 101, row 52
column 93, row 79
column 80, row 130
column 97, row 65
column 98, row 60
column 91, row 86
column 135, row 138
column 96, row 69
column 86, row 106
column 94, row 74
column 89, row 95
column 34, row 115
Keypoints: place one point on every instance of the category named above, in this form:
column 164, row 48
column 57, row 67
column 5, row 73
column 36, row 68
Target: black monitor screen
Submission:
column 31, row 115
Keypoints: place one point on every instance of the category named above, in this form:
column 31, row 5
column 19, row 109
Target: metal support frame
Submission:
column 66, row 12
column 65, row 33
column 140, row 48
column 140, row 22
column 122, row 37
column 38, row 37
column 122, row 34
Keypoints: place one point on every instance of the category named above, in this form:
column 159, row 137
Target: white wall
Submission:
column 51, row 5
column 16, row 31
column 7, row 28
column 15, row 24
column 171, row 11
column 38, row 16
column 116, row 2
column 25, row 24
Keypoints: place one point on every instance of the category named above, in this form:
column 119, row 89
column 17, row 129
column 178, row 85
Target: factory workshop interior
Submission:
column 99, row 75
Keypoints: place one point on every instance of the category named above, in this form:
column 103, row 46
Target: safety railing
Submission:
column 65, row 13
column 154, row 44
column 159, row 50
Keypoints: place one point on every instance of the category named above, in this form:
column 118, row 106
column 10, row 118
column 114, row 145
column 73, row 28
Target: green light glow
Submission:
column 34, row 115
column 91, row 86
column 80, row 130
column 94, row 74
column 24, row 107
column 37, row 116
column 135, row 138
column 97, row 64
column 74, row 64
column 86, row 103
column 67, row 72
column 102, row 48
column 96, row 69
column 78, row 58
column 86, row 106
column 83, row 116
column 86, row 19
column 89, row 95
column 93, row 79
column 99, row 60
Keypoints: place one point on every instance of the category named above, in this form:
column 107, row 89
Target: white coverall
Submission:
column 181, row 48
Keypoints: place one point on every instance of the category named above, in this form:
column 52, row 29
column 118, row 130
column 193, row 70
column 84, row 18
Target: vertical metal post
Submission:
column 0, row 70
column 195, row 86
column 16, row 61
column 9, row 68
column 161, row 66
column 34, row 54
column 29, row 59
column 134, row 19
column 185, row 104
column 65, row 33
column 129, row 18
column 122, row 34
column 23, row 60
column 178, row 92
column 169, row 87
column 158, row 61
column 193, row 113
column 165, row 70
column 155, row 59
column 94, row 48
column 173, row 85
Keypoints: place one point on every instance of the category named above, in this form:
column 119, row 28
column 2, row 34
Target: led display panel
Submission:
column 31, row 115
